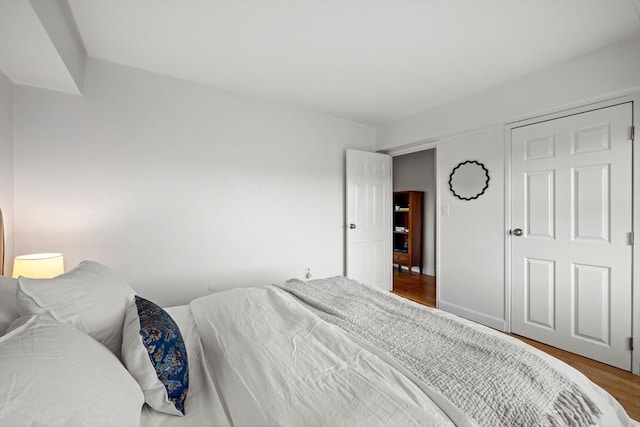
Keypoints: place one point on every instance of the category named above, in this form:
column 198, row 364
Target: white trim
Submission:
column 476, row 316
column 436, row 162
column 572, row 111
column 635, row 270
column 412, row 148
column 508, row 225
column 588, row 104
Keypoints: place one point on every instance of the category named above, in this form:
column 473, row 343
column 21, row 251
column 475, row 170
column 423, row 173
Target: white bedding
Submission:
column 277, row 363
column 256, row 356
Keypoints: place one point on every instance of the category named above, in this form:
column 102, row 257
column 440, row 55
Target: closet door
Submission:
column 571, row 249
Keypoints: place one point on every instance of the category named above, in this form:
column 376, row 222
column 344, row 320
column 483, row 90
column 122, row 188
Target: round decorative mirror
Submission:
column 469, row 180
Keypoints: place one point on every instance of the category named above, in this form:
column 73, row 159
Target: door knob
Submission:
column 352, row 226
column 517, row 232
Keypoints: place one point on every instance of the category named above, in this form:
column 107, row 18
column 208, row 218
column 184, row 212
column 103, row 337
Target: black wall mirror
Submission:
column 469, row 180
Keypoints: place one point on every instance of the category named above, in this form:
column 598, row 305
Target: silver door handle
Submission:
column 352, row 226
column 517, row 232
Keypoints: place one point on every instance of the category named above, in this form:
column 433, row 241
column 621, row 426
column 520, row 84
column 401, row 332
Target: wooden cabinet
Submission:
column 407, row 229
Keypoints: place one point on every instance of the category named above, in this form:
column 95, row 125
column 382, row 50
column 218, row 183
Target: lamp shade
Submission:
column 38, row 266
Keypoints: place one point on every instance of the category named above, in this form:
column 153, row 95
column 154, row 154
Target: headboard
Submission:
column 1, row 245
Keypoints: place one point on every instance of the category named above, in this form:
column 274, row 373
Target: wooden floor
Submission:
column 622, row 385
column 417, row 287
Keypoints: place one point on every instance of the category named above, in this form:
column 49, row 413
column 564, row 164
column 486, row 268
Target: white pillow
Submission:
column 92, row 297
column 54, row 375
column 8, row 302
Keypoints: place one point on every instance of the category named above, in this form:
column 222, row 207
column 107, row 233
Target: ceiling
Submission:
column 367, row 61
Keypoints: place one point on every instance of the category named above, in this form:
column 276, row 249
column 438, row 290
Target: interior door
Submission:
column 571, row 217
column 369, row 192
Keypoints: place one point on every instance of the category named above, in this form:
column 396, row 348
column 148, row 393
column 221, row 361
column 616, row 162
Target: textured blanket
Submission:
column 493, row 381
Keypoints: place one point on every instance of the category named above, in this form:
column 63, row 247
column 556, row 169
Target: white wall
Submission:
column 471, row 253
column 471, row 258
column 6, row 168
column 417, row 172
column 592, row 77
column 178, row 186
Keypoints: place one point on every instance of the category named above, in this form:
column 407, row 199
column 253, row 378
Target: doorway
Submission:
column 417, row 172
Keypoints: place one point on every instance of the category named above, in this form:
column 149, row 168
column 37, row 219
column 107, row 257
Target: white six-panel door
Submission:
column 368, row 213
column 571, row 222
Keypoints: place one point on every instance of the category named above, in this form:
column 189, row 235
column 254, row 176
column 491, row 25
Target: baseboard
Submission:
column 427, row 271
column 476, row 316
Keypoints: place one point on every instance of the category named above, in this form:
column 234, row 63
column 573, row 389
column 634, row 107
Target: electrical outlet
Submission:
column 445, row 210
column 307, row 273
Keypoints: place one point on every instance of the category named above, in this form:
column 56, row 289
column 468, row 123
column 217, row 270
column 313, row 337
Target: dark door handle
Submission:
column 352, row 226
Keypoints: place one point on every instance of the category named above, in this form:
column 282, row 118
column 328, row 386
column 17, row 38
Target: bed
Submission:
column 84, row 349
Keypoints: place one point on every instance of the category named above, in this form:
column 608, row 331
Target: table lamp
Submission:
column 38, row 266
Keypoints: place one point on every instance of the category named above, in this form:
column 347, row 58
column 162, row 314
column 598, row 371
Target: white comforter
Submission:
column 276, row 363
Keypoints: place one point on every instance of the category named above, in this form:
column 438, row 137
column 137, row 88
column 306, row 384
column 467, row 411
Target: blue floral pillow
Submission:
column 155, row 354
